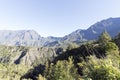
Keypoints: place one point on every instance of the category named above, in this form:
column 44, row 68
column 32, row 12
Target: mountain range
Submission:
column 111, row 25
column 32, row 38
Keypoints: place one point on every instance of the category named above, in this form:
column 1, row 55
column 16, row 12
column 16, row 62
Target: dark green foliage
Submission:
column 84, row 65
column 94, row 60
column 105, row 73
column 33, row 73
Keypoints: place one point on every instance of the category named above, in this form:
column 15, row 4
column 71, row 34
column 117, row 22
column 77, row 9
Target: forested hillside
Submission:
column 92, row 60
column 59, row 39
column 91, row 54
column 97, row 60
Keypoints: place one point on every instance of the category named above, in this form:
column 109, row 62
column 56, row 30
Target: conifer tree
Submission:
column 104, row 38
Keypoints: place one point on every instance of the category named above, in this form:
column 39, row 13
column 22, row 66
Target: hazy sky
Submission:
column 55, row 17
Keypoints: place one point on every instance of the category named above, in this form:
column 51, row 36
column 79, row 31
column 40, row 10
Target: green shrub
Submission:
column 62, row 70
column 101, row 69
column 111, row 48
column 104, row 38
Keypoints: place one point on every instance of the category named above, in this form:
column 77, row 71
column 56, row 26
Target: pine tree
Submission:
column 104, row 38
column 62, row 70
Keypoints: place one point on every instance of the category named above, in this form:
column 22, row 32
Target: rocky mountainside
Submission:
column 24, row 38
column 18, row 53
column 32, row 38
column 27, row 55
column 111, row 25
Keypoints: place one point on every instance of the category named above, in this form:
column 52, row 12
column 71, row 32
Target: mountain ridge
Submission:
column 111, row 25
column 23, row 38
column 32, row 38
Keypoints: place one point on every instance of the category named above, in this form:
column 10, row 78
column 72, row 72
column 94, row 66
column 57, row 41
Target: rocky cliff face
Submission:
column 27, row 55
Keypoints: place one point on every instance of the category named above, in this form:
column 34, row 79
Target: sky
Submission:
column 55, row 17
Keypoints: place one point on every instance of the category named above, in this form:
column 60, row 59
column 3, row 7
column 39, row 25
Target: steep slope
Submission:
column 32, row 38
column 27, row 55
column 23, row 38
column 111, row 25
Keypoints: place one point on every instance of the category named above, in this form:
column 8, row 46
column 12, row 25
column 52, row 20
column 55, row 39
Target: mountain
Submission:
column 27, row 55
column 23, row 38
column 32, row 38
column 30, row 55
column 111, row 25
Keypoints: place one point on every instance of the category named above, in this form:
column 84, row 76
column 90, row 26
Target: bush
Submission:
column 111, row 48
column 101, row 69
column 104, row 38
column 12, row 71
column 62, row 70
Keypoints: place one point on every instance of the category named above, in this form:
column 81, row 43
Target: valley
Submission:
column 91, row 54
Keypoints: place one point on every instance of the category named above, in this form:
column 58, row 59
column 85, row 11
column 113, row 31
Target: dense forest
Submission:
column 91, row 60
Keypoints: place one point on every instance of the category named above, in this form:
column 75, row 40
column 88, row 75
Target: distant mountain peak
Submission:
column 111, row 25
column 23, row 38
column 32, row 38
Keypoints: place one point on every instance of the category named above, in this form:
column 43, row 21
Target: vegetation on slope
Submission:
column 96, row 60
